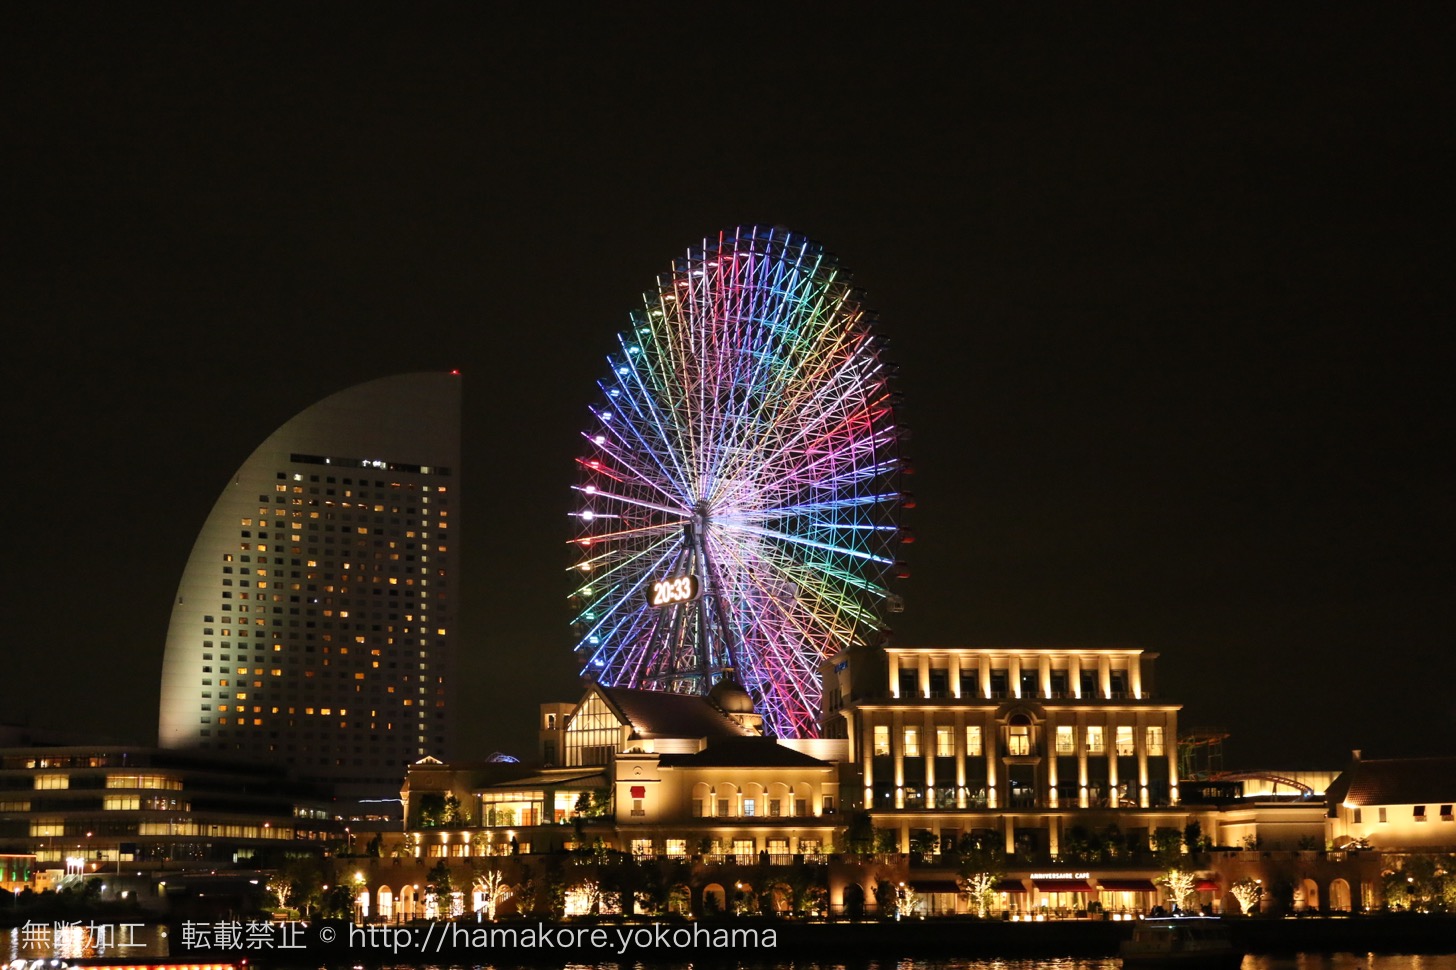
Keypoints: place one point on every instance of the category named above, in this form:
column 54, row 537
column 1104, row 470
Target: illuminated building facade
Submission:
column 1031, row 749
column 313, row 623
column 677, row 779
column 1061, row 763
column 1395, row 804
column 83, row 810
column 998, row 729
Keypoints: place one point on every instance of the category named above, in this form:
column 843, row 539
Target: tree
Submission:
column 298, row 884
column 491, row 884
column 859, row 836
column 804, row 883
column 1113, row 845
column 980, row 867
column 1168, row 847
column 1180, row 883
column 887, row 841
column 338, row 902
column 1248, row 893
column 282, row 891
column 886, row 896
column 655, row 886
column 592, row 889
column 1081, row 845
column 432, row 809
column 621, row 877
column 1422, row 881
column 438, row 879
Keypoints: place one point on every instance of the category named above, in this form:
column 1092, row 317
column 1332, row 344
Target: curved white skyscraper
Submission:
column 313, row 623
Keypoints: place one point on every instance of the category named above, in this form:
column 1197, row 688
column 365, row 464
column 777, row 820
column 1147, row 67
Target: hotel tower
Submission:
column 313, row 623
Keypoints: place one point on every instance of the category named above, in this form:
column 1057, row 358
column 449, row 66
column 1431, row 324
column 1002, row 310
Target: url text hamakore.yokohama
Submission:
column 439, row 937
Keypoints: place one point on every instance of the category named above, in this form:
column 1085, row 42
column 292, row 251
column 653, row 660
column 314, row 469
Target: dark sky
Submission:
column 1170, row 289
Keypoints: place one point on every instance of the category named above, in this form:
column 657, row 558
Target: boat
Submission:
column 1180, row 941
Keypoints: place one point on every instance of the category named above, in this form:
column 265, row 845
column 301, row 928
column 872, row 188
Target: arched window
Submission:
column 1018, row 737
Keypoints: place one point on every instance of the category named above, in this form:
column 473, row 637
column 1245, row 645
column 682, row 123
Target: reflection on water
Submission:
column 1351, row 961
column 132, row 942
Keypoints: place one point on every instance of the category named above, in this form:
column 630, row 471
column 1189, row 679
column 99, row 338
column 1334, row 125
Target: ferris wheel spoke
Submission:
column 797, row 446
column 649, row 419
column 748, row 438
column 634, row 502
column 626, row 472
column 812, row 617
column 621, row 613
column 803, row 542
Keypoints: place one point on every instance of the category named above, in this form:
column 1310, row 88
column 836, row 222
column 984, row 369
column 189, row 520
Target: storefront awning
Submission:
column 1010, row 886
column 1127, row 885
column 1061, row 886
column 1207, row 886
column 935, row 886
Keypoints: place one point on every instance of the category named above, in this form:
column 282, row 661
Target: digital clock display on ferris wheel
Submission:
column 673, row 590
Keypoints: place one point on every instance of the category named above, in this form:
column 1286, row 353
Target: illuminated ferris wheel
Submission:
column 739, row 485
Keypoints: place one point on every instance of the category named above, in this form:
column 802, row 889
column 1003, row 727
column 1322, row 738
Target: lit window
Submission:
column 912, row 742
column 973, row 740
column 1018, row 736
column 945, row 742
column 1155, row 741
column 1066, row 739
column 1095, row 743
column 882, row 739
column 1125, row 744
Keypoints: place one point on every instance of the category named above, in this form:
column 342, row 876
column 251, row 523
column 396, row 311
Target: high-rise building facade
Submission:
column 313, row 623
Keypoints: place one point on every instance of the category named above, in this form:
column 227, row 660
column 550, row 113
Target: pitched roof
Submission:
column 548, row 778
column 660, row 714
column 750, row 752
column 1398, row 781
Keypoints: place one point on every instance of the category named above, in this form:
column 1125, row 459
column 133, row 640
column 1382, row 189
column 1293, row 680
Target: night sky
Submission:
column 1170, row 291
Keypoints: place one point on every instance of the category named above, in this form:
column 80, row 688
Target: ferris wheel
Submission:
column 739, row 484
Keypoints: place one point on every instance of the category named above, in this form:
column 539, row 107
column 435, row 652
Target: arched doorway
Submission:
column 384, row 899
column 1309, row 890
column 409, row 901
column 715, row 900
column 1340, row 896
